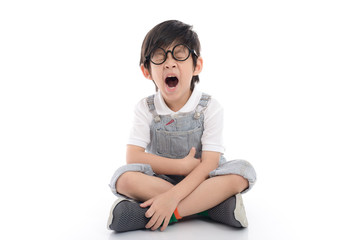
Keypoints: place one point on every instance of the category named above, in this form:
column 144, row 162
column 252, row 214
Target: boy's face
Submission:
column 173, row 78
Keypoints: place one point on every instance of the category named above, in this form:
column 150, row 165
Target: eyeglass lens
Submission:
column 179, row 53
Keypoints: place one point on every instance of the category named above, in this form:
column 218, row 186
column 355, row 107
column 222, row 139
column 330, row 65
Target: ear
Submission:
column 146, row 72
column 198, row 67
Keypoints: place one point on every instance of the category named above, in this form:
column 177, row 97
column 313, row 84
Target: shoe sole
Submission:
column 127, row 215
column 239, row 212
column 230, row 212
column 111, row 215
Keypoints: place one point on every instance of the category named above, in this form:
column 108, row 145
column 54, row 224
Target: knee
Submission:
column 125, row 182
column 247, row 171
column 240, row 183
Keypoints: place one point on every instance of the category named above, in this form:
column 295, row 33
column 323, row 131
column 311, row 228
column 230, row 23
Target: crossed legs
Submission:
column 208, row 194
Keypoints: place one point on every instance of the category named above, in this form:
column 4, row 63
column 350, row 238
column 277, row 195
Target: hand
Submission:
column 161, row 210
column 190, row 162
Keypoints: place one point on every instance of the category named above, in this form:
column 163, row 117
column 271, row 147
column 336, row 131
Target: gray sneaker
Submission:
column 230, row 212
column 127, row 215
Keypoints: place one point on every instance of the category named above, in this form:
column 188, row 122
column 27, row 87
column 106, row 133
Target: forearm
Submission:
column 210, row 161
column 163, row 206
column 160, row 165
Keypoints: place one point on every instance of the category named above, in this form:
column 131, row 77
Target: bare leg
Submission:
column 141, row 187
column 210, row 193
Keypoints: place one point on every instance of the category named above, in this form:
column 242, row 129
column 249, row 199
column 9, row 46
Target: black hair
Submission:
column 167, row 33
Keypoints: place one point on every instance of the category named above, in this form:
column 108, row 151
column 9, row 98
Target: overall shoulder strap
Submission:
column 152, row 109
column 202, row 105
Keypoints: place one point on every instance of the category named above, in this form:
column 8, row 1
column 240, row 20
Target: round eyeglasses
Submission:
column 180, row 52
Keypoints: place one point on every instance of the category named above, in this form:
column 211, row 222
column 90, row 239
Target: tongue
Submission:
column 171, row 81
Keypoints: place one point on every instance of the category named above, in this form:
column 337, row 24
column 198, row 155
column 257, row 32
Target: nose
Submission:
column 170, row 61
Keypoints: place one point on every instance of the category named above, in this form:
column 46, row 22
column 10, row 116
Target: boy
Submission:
column 175, row 165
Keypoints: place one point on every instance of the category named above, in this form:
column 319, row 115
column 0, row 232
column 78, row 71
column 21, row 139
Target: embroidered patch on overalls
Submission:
column 172, row 120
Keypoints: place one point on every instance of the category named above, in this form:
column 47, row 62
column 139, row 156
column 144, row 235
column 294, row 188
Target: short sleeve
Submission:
column 212, row 139
column 140, row 131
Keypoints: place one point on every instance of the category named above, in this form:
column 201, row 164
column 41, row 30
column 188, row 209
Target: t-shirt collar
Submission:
column 190, row 105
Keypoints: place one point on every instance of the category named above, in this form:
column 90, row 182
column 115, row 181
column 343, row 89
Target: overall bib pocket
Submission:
column 178, row 144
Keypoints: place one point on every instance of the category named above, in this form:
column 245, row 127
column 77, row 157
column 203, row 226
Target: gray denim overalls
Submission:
column 173, row 137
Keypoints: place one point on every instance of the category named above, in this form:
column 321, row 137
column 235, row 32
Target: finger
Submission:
column 150, row 212
column 158, row 223
column 192, row 152
column 152, row 221
column 147, row 203
column 165, row 224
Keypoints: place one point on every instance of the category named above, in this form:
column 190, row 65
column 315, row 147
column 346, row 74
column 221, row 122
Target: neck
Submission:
column 176, row 104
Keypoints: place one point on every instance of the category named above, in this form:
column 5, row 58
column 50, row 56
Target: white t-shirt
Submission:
column 213, row 122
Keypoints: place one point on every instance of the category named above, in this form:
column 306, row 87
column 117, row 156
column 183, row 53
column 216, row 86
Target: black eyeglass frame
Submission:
column 191, row 51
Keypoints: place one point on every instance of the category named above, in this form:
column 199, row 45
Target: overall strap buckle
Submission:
column 203, row 103
column 151, row 106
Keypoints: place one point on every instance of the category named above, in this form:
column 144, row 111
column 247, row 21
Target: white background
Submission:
column 286, row 72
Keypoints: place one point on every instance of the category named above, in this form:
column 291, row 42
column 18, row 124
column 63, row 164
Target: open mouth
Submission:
column 171, row 82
